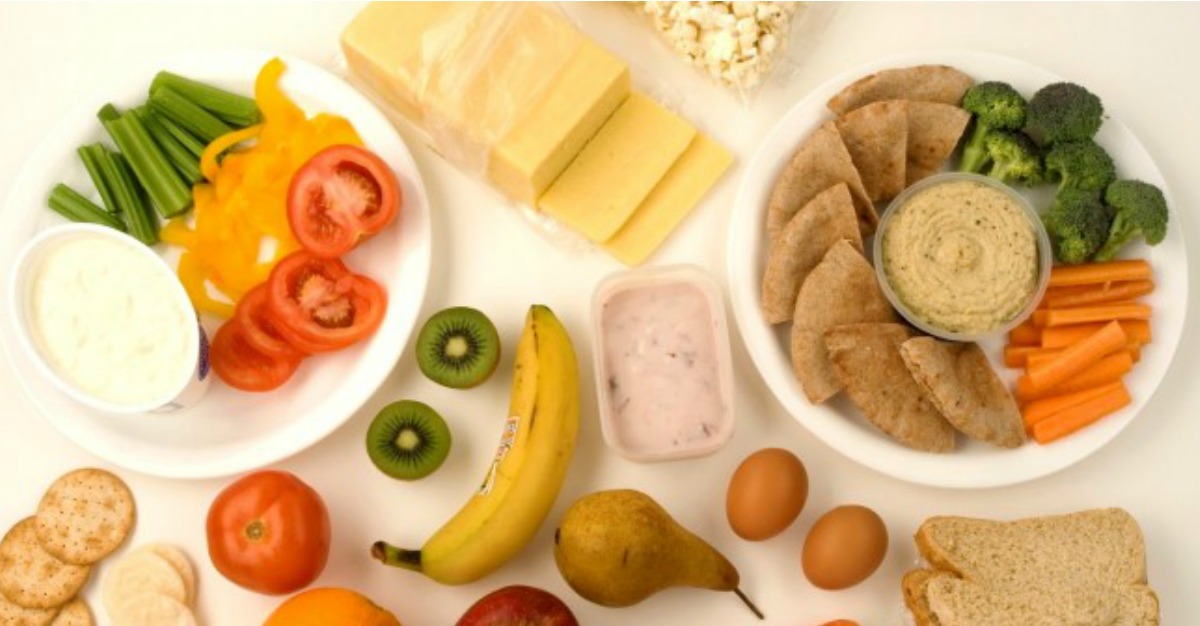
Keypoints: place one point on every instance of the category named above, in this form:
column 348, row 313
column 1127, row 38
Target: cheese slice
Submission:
column 537, row 150
column 692, row 175
column 617, row 169
column 510, row 91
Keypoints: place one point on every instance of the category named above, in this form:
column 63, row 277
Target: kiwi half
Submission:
column 458, row 348
column 408, row 440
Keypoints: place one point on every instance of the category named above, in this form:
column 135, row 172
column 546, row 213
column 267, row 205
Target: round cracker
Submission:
column 141, row 573
column 76, row 613
column 85, row 516
column 30, row 576
column 13, row 614
column 152, row 609
column 183, row 566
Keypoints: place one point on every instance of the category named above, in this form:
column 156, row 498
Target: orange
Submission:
column 330, row 606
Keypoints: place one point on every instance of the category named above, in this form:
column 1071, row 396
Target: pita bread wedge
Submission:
column 819, row 163
column 866, row 359
column 961, row 383
column 876, row 136
column 822, row 222
column 841, row 289
column 926, row 83
column 933, row 131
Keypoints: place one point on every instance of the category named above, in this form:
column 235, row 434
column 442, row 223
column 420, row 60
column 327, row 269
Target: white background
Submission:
column 1140, row 59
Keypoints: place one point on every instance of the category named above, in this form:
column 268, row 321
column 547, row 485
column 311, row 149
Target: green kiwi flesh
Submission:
column 458, row 348
column 408, row 440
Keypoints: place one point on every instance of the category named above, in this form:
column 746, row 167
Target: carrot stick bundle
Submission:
column 1109, row 369
column 1077, row 357
column 1083, row 414
column 1039, row 410
column 1138, row 331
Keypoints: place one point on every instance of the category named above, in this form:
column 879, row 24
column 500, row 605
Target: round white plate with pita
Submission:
column 838, row 423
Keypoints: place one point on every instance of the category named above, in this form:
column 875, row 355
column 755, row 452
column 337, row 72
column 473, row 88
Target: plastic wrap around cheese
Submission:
column 510, row 91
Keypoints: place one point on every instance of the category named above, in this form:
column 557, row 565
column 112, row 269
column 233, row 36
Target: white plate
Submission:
column 838, row 423
column 231, row 431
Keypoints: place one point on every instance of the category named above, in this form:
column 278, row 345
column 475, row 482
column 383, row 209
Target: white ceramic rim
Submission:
column 658, row 275
column 1044, row 257
column 18, row 289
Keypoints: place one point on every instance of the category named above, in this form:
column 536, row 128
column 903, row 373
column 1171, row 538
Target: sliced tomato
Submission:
column 341, row 196
column 320, row 305
column 260, row 328
column 244, row 367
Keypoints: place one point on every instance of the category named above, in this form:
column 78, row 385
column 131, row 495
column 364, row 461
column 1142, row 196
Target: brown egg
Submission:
column 844, row 547
column 766, row 494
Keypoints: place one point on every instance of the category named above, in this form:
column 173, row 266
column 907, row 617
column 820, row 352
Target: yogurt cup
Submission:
column 102, row 373
column 664, row 374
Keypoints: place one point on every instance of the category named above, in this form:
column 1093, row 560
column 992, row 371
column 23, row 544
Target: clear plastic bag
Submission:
column 741, row 46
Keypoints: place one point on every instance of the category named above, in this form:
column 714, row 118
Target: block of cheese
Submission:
column 510, row 91
column 617, row 169
column 692, row 175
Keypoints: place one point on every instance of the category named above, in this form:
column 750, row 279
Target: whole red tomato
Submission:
column 269, row 532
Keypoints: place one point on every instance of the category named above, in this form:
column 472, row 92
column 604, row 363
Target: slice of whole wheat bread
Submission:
column 1104, row 545
column 1080, row 569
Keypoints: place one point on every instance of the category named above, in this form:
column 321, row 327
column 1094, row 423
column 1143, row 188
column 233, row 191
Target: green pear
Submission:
column 617, row 548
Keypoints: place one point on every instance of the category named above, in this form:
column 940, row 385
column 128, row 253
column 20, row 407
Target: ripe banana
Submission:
column 528, row 470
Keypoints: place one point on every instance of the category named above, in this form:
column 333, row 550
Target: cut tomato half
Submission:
column 242, row 366
column 339, row 197
column 261, row 329
column 319, row 305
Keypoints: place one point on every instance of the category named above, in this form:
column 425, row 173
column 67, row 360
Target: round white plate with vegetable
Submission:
column 228, row 430
column 972, row 464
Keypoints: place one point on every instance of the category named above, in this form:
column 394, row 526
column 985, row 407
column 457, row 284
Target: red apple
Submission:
column 518, row 605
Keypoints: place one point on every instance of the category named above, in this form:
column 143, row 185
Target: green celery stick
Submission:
column 73, row 206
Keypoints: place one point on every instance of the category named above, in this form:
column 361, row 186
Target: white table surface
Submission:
column 1139, row 58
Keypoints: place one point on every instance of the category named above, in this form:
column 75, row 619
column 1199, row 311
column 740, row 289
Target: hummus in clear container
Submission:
column 961, row 256
column 664, row 374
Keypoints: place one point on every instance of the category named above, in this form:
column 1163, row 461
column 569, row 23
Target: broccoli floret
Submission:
column 1014, row 158
column 1078, row 224
column 1140, row 209
column 1062, row 112
column 1082, row 165
column 995, row 106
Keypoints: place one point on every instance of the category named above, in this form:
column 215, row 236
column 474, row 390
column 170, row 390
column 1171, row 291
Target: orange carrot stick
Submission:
column 1017, row 356
column 1093, row 273
column 1025, row 333
column 1077, row 357
column 1138, row 332
column 1074, row 418
column 1100, row 295
column 1039, row 410
column 1109, row 369
column 1098, row 313
column 1043, row 356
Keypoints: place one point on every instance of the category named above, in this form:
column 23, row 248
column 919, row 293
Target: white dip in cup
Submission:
column 104, row 318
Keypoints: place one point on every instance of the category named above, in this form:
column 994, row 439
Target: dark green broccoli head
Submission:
column 1014, row 158
column 1081, row 164
column 995, row 105
column 1063, row 112
column 1078, row 224
column 1141, row 209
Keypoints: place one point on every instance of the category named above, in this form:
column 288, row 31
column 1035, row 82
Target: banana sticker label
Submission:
column 508, row 437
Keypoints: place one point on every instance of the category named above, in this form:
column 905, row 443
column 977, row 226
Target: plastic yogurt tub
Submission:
column 664, row 375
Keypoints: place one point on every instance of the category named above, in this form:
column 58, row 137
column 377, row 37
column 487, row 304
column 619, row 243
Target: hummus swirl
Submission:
column 962, row 256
